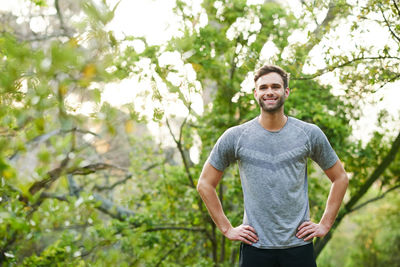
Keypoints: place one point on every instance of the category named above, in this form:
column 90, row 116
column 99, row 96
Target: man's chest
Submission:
column 273, row 152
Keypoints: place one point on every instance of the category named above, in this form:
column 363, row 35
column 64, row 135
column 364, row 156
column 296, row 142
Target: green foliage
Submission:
column 369, row 238
column 97, row 189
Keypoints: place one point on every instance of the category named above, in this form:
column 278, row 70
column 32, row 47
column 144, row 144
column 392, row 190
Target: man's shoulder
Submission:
column 238, row 130
column 305, row 126
column 311, row 130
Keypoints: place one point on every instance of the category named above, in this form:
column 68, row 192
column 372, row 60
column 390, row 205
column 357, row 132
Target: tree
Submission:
column 55, row 172
column 97, row 188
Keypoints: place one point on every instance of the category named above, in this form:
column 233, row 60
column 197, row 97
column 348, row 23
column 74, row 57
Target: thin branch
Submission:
column 92, row 168
column 73, row 187
column 74, row 226
column 46, row 136
column 127, row 177
column 164, row 228
column 42, row 38
column 110, row 187
column 190, row 177
column 179, row 146
column 60, row 17
column 105, row 205
column 331, row 68
column 170, row 131
column 84, row 132
column 113, row 210
column 51, row 177
column 389, row 81
column 54, row 196
column 233, row 63
column 397, row 7
column 388, row 25
column 374, row 199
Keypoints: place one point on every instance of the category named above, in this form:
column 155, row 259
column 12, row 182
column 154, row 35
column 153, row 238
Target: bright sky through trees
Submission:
column 106, row 122
column 155, row 20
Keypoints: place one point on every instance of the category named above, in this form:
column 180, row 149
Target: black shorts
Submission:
column 302, row 256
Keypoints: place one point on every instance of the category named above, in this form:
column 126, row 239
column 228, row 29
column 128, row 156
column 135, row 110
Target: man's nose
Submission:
column 269, row 91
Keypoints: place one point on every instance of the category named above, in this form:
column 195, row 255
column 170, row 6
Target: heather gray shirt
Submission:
column 273, row 173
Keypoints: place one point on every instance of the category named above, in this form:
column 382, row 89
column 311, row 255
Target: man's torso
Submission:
column 273, row 172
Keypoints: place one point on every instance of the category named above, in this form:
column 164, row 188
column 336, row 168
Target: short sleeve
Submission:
column 223, row 152
column 321, row 150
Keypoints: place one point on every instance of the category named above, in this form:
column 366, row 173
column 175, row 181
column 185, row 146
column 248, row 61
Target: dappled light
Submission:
column 109, row 110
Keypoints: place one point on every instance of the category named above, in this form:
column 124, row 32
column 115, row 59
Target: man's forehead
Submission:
column 270, row 78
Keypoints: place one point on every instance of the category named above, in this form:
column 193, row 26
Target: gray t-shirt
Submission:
column 273, row 173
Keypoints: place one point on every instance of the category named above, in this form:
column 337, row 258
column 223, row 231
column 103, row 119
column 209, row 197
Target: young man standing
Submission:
column 272, row 151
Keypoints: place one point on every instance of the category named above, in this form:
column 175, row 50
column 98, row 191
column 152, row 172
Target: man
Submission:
column 272, row 151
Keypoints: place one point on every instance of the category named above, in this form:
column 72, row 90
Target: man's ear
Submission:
column 287, row 92
column 255, row 93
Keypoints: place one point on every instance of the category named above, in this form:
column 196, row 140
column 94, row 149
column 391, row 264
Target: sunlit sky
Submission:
column 154, row 19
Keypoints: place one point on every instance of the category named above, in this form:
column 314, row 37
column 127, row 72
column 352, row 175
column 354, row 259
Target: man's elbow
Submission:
column 344, row 179
column 200, row 185
column 203, row 186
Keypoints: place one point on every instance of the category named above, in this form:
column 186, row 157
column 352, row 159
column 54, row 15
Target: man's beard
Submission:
column 273, row 109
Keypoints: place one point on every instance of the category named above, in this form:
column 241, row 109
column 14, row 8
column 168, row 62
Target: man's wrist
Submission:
column 224, row 229
column 327, row 225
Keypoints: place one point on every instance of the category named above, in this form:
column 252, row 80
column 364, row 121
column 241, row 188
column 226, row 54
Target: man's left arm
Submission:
column 340, row 181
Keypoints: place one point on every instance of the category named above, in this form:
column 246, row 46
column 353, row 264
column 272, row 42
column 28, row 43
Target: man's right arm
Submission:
column 206, row 186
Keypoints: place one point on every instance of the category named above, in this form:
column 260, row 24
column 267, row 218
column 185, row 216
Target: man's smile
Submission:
column 270, row 100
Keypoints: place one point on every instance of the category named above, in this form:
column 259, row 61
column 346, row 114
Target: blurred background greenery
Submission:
column 103, row 133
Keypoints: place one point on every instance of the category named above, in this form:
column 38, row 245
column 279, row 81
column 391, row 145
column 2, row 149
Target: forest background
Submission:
column 103, row 134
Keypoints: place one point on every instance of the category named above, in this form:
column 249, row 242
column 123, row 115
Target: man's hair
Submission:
column 272, row 68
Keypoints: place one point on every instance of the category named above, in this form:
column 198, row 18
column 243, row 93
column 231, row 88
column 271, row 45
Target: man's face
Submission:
column 270, row 92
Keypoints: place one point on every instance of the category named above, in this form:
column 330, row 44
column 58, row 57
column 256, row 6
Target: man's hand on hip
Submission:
column 244, row 233
column 310, row 230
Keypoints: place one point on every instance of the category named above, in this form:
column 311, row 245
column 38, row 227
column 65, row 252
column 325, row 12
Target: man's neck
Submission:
column 272, row 121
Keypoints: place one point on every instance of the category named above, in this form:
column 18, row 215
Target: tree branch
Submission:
column 44, row 137
column 51, row 177
column 92, row 168
column 331, row 68
column 397, row 7
column 108, row 207
column 59, row 197
column 376, row 174
column 182, row 153
column 110, row 187
column 105, row 205
column 42, row 38
column 389, row 81
column 127, row 177
column 163, row 228
column 113, row 210
column 388, row 25
column 190, row 177
column 374, row 199
column 321, row 28
column 60, row 17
